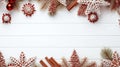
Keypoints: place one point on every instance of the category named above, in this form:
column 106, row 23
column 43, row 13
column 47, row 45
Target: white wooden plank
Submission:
column 59, row 41
column 60, row 29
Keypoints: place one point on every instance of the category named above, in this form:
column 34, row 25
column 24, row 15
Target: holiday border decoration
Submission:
column 93, row 8
column 115, row 62
column 109, row 59
column 89, row 8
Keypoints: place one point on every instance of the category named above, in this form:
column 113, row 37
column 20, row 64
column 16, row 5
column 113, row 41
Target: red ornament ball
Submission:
column 10, row 6
column 11, row 1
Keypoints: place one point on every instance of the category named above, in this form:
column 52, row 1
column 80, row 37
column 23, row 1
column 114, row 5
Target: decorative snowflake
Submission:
column 115, row 62
column 93, row 5
column 28, row 9
column 6, row 18
column 21, row 62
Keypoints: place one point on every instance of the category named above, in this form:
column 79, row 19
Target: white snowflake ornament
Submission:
column 21, row 62
column 93, row 5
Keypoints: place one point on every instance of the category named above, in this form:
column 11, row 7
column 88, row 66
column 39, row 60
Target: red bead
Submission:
column 10, row 6
column 11, row 1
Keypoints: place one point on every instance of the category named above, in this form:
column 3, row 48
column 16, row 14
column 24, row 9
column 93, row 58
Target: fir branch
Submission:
column 106, row 53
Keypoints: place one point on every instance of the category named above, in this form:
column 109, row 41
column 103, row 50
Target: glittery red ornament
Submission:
column 93, row 17
column 11, row 1
column 10, row 6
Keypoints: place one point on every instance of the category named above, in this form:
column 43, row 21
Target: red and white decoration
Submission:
column 93, row 6
column 93, row 17
column 6, row 18
column 28, row 9
column 89, row 8
column 22, row 62
column 114, row 63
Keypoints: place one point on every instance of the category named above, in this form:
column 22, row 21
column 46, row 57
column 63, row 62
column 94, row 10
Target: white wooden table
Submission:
column 45, row 36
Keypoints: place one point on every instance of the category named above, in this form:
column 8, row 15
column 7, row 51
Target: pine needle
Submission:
column 106, row 53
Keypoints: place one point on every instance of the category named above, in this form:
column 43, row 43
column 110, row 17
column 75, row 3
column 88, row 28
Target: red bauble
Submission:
column 11, row 1
column 10, row 6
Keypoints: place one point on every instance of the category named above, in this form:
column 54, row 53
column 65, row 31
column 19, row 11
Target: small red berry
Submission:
column 10, row 6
